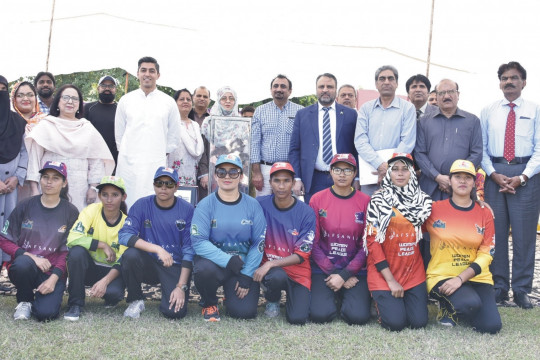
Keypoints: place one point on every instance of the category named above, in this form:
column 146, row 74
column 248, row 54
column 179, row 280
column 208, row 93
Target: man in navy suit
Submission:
column 312, row 147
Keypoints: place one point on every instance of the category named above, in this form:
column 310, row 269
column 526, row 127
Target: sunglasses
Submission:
column 233, row 173
column 168, row 184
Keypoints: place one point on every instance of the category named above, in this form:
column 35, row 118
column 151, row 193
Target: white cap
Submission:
column 108, row 77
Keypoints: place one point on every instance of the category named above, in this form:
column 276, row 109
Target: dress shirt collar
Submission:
column 333, row 106
column 285, row 107
column 423, row 108
column 518, row 102
column 394, row 103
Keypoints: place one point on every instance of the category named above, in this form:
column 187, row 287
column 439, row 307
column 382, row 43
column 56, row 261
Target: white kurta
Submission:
column 146, row 130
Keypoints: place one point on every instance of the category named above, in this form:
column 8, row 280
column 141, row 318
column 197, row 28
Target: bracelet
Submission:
column 460, row 278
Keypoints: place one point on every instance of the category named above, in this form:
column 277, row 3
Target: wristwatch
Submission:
column 522, row 179
column 183, row 287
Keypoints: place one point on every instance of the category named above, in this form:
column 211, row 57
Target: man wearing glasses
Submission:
column 443, row 136
column 385, row 123
column 101, row 113
column 157, row 234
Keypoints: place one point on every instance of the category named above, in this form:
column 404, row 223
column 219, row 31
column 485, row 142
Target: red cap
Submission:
column 402, row 156
column 346, row 158
column 279, row 166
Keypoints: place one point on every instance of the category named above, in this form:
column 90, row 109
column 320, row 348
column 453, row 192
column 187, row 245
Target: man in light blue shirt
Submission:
column 387, row 122
column 511, row 160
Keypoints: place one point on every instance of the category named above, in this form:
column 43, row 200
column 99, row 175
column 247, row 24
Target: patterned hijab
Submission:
column 411, row 202
column 36, row 113
column 218, row 110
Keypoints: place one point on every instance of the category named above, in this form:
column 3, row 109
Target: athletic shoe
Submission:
column 134, row 309
column 211, row 313
column 73, row 313
column 445, row 318
column 109, row 305
column 272, row 309
column 22, row 311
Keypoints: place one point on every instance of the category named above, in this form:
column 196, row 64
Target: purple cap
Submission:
column 55, row 165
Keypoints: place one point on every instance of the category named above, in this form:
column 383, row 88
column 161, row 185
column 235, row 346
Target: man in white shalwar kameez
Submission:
column 146, row 130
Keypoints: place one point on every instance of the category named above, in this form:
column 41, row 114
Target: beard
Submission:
column 45, row 93
column 106, row 98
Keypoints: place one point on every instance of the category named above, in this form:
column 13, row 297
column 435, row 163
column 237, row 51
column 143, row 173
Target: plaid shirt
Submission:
column 42, row 107
column 271, row 130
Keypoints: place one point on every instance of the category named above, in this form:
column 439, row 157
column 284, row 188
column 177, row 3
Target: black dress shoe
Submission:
column 522, row 300
column 501, row 296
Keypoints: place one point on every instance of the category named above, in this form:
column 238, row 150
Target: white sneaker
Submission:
column 22, row 311
column 134, row 309
column 272, row 309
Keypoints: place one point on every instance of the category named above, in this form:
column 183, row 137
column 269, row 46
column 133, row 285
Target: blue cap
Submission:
column 166, row 171
column 229, row 159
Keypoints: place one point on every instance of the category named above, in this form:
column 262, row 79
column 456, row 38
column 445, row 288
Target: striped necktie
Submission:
column 327, row 137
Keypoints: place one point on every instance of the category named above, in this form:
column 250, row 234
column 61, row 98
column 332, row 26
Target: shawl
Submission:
column 11, row 130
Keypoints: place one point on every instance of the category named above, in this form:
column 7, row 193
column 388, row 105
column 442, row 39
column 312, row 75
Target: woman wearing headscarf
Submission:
column 24, row 100
column 462, row 245
column 67, row 137
column 185, row 158
column 396, row 276
column 13, row 156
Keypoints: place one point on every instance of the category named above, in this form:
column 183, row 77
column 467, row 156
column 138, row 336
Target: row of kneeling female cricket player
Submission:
column 343, row 248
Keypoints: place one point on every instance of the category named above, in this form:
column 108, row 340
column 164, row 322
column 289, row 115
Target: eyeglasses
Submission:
column 168, row 184
column 66, row 98
column 506, row 78
column 107, row 86
column 233, row 173
column 225, row 99
column 338, row 171
column 27, row 95
column 384, row 78
column 444, row 92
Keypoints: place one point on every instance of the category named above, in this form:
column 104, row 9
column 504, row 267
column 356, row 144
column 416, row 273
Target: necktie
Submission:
column 510, row 135
column 327, row 137
column 418, row 114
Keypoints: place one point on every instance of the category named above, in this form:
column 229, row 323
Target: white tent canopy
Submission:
column 244, row 44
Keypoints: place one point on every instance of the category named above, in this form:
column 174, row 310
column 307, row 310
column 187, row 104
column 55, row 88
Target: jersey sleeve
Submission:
column 258, row 233
column 304, row 242
column 200, row 236
column 11, row 231
column 317, row 253
column 485, row 252
column 129, row 234
column 78, row 235
column 375, row 249
column 187, row 248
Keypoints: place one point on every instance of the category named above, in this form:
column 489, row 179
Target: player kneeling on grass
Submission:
column 290, row 230
column 157, row 234
column 228, row 237
column 94, row 252
column 35, row 238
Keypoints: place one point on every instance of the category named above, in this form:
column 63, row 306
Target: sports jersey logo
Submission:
column 246, row 222
column 79, row 227
column 91, row 231
column 310, row 236
column 4, row 229
column 305, row 247
column 115, row 246
column 180, row 224
column 293, row 232
column 27, row 224
column 261, row 246
column 62, row 229
column 492, row 247
column 128, row 222
column 213, row 223
column 480, row 230
column 322, row 213
column 147, row 223
column 439, row 224
column 359, row 217
column 194, row 229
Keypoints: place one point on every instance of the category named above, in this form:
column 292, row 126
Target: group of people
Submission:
column 318, row 230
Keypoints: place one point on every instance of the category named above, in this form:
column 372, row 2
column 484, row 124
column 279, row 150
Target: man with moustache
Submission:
column 101, row 113
column 271, row 129
column 443, row 136
column 319, row 132
column 511, row 138
column 347, row 96
column 387, row 122
column 146, row 127
column 45, row 85
column 418, row 87
column 201, row 101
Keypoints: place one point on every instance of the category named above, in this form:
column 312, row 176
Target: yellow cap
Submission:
column 464, row 166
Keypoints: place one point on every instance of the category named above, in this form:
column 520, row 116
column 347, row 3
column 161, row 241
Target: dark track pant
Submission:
column 397, row 313
column 26, row 277
column 474, row 302
column 208, row 277
column 355, row 302
column 297, row 305
column 140, row 267
column 83, row 271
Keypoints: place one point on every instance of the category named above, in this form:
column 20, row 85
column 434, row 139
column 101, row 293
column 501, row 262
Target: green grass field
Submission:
column 105, row 334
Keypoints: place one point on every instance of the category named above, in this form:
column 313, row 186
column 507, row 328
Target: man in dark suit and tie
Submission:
column 320, row 131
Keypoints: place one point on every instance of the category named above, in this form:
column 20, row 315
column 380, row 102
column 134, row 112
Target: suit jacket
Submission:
column 304, row 145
